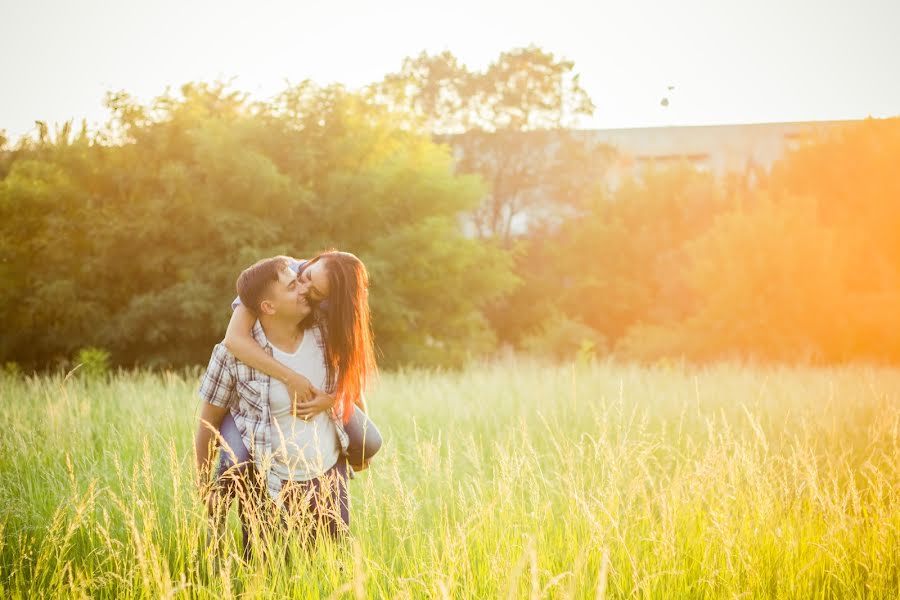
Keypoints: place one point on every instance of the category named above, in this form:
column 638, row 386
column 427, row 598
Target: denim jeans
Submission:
column 237, row 476
column 320, row 505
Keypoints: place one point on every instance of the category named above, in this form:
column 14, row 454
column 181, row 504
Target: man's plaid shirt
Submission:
column 231, row 384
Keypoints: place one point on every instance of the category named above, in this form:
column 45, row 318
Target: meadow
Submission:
column 508, row 480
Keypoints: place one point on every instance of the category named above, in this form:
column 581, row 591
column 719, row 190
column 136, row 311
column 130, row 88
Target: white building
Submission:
column 741, row 149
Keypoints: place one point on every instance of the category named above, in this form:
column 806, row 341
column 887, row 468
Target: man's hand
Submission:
column 210, row 496
column 310, row 408
column 206, row 487
column 300, row 389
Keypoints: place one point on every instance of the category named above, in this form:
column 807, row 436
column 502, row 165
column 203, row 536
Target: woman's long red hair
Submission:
column 347, row 328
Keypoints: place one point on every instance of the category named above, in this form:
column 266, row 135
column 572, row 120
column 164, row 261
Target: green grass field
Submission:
column 502, row 481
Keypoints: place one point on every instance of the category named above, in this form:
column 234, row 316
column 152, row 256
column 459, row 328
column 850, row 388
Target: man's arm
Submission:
column 217, row 391
column 206, row 440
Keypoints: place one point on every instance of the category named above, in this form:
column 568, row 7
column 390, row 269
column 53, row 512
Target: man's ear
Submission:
column 266, row 307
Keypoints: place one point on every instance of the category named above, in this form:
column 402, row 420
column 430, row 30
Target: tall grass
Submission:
column 509, row 481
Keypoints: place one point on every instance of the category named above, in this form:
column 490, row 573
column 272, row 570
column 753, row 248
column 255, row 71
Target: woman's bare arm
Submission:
column 241, row 344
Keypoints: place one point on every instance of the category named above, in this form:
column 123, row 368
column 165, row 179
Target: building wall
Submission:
column 718, row 148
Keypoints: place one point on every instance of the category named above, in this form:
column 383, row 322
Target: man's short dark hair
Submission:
column 254, row 281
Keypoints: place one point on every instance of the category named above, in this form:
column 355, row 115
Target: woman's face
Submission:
column 314, row 281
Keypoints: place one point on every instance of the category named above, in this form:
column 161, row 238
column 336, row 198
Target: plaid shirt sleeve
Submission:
column 218, row 385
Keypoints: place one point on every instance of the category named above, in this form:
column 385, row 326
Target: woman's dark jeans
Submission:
column 364, row 442
column 364, row 437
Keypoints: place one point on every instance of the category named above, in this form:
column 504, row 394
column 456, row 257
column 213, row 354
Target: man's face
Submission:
column 314, row 282
column 285, row 297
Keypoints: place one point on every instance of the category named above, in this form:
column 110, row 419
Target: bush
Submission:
column 93, row 362
column 11, row 370
column 562, row 338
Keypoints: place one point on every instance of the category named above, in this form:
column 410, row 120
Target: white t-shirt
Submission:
column 303, row 450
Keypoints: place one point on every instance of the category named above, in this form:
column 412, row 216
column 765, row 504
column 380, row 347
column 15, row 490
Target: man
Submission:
column 277, row 461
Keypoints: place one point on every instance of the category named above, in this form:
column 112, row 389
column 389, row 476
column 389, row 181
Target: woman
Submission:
column 336, row 285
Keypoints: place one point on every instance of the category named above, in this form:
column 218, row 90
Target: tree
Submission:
column 508, row 124
column 132, row 240
column 623, row 262
column 802, row 269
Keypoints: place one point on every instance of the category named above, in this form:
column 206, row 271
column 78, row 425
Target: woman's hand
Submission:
column 300, row 389
column 310, row 408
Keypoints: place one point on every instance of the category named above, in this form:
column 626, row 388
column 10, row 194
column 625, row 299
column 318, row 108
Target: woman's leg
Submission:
column 365, row 439
column 233, row 452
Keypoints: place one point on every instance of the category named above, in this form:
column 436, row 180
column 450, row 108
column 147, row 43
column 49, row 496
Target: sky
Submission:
column 730, row 61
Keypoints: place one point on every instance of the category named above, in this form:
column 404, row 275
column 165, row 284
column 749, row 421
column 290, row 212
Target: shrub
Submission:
column 93, row 362
column 563, row 338
column 11, row 370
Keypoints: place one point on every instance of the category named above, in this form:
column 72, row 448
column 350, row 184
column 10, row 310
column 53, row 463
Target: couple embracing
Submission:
column 283, row 399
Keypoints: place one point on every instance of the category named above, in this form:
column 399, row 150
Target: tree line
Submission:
column 478, row 207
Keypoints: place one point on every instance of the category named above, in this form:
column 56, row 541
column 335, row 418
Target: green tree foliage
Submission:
column 131, row 240
column 806, row 267
column 621, row 261
column 510, row 124
column 768, row 282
